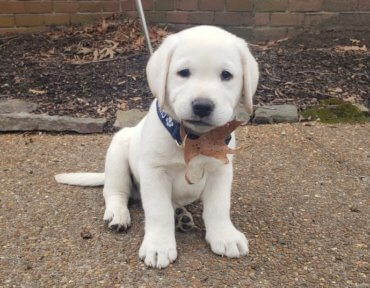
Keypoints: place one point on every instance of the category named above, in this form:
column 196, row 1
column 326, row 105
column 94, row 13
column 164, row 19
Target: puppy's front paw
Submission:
column 158, row 252
column 117, row 217
column 227, row 241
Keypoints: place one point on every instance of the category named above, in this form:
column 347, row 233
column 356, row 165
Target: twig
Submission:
column 8, row 37
column 97, row 62
column 10, row 40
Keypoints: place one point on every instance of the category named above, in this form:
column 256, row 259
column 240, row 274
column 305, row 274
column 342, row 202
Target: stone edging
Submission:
column 16, row 115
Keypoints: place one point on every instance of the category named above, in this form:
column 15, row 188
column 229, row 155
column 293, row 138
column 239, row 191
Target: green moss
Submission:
column 335, row 110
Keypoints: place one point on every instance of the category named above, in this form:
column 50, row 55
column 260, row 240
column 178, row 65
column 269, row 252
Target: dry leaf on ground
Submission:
column 38, row 92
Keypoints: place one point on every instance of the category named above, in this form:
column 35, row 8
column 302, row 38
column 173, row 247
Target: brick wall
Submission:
column 259, row 19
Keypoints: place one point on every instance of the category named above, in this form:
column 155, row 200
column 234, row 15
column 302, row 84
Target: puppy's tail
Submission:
column 81, row 179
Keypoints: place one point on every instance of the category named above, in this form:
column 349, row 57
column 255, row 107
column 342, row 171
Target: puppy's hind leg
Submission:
column 183, row 220
column 118, row 184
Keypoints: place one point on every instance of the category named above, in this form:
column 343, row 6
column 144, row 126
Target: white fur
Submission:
column 149, row 153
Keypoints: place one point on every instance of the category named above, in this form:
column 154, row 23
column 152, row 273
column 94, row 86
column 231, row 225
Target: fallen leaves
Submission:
column 104, row 40
column 335, row 90
column 109, row 39
column 104, row 27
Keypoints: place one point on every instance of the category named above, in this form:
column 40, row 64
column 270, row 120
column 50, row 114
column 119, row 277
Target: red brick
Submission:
column 271, row 5
column 56, row 19
column 11, row 7
column 147, row 4
column 128, row 5
column 89, row 6
column 248, row 19
column 187, row 5
column 132, row 14
column 228, row 18
column 239, row 5
column 312, row 20
column 363, row 5
column 37, row 7
column 234, row 19
column 164, row 5
column 270, row 33
column 243, row 32
column 286, row 19
column 156, row 17
column 111, row 6
column 305, row 5
column 360, row 20
column 201, row 17
column 6, row 20
column 261, row 19
column 340, row 5
column 212, row 5
column 29, row 20
column 65, row 7
column 177, row 17
column 84, row 18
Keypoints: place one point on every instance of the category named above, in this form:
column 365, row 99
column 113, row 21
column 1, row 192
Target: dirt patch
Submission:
column 313, row 67
column 93, row 70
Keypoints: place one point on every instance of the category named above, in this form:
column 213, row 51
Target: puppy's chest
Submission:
column 198, row 171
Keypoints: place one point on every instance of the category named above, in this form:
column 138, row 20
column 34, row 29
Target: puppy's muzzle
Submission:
column 202, row 107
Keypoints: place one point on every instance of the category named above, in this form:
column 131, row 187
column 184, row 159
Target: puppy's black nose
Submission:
column 202, row 107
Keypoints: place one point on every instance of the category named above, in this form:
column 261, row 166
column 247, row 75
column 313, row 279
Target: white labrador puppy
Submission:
column 198, row 76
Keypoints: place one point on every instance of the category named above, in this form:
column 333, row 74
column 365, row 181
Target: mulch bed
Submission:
column 95, row 69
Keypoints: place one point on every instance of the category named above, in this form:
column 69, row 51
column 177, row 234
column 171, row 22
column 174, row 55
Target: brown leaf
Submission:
column 122, row 105
column 335, row 90
column 104, row 27
column 211, row 144
column 38, row 92
column 96, row 54
column 102, row 110
column 350, row 48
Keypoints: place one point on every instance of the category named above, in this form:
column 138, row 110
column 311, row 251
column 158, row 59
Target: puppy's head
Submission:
column 200, row 74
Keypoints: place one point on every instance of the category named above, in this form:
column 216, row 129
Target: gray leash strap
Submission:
column 140, row 11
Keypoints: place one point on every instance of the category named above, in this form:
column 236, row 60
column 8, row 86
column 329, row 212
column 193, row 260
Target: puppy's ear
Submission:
column 157, row 68
column 250, row 75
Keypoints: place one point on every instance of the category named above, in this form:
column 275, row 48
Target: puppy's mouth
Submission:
column 197, row 123
column 198, row 126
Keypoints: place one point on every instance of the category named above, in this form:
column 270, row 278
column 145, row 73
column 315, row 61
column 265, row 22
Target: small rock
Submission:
column 276, row 114
column 354, row 209
column 128, row 118
column 32, row 122
column 362, row 108
column 86, row 234
column 28, row 266
column 16, row 106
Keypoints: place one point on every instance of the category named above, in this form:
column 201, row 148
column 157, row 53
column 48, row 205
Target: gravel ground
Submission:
column 299, row 194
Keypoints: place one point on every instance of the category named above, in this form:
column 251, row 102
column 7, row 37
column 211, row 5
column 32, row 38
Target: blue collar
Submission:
column 173, row 127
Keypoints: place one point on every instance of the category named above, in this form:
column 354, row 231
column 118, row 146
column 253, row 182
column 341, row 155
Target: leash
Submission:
column 140, row 11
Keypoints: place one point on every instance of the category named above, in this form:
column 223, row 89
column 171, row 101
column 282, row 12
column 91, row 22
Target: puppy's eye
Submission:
column 184, row 73
column 226, row 75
